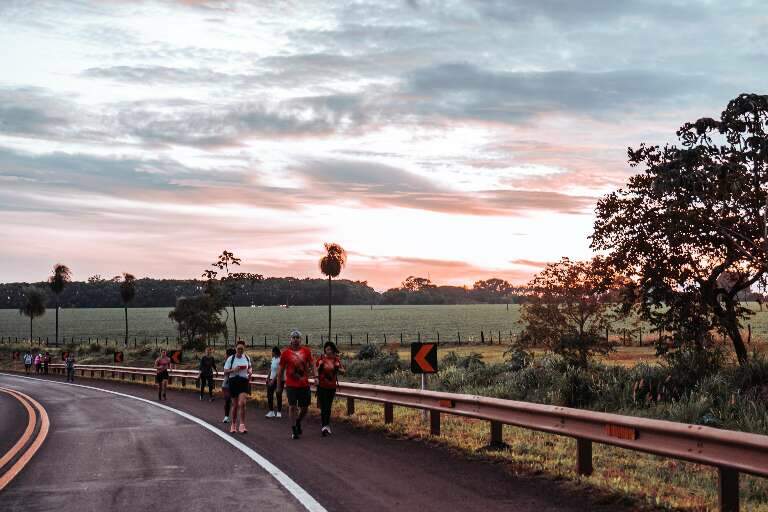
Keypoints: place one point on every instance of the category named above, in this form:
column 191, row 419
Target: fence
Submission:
column 730, row 452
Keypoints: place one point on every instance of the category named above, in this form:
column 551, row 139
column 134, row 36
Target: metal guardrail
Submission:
column 730, row 452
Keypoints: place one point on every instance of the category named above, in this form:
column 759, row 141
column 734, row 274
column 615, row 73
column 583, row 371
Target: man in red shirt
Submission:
column 296, row 365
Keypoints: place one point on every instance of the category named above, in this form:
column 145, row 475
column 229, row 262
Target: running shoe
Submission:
column 225, row 420
column 270, row 414
column 294, row 432
column 243, row 430
column 328, row 429
column 324, row 431
column 233, row 429
column 278, row 414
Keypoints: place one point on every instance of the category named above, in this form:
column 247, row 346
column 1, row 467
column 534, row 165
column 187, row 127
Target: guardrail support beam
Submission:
column 583, row 456
column 389, row 413
column 497, row 438
column 350, row 406
column 728, row 490
column 434, row 423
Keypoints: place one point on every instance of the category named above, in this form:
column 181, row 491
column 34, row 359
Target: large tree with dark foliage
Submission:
column 60, row 278
column 127, row 293
column 33, row 306
column 330, row 265
column 198, row 317
column 690, row 228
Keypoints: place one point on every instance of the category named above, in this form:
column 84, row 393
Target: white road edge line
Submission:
column 306, row 499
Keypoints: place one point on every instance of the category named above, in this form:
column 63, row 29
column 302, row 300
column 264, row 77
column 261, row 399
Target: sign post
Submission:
column 423, row 361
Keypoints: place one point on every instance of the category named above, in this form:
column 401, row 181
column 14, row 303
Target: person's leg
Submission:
column 279, row 401
column 241, row 405
column 201, row 381
column 235, row 411
column 227, row 404
column 271, row 396
column 210, row 387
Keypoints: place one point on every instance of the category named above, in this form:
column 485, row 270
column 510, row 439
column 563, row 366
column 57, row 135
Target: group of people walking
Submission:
column 290, row 370
column 40, row 362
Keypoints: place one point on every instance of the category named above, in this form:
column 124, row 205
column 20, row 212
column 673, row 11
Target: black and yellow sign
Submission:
column 423, row 358
column 175, row 356
column 118, row 357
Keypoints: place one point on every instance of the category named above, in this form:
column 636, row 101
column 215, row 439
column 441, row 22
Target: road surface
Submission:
column 106, row 452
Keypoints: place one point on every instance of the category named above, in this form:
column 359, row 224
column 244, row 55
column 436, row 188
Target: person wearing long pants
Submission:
column 225, row 390
column 274, row 412
column 329, row 368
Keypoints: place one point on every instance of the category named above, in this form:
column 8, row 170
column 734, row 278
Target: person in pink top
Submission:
column 162, row 365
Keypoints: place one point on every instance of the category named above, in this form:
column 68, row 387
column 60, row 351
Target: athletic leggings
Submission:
column 325, row 401
column 206, row 379
column 271, row 392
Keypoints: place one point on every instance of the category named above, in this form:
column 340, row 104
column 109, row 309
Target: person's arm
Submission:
column 312, row 370
column 342, row 368
column 280, row 372
column 227, row 371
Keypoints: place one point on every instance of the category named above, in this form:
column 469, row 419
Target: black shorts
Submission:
column 160, row 377
column 298, row 396
column 237, row 386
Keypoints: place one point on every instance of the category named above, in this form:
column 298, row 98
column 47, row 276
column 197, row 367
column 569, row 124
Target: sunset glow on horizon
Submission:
column 452, row 140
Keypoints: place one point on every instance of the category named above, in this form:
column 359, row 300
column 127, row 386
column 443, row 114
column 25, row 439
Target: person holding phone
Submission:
column 238, row 369
column 329, row 368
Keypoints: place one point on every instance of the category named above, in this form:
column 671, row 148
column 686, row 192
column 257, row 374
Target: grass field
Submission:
column 450, row 322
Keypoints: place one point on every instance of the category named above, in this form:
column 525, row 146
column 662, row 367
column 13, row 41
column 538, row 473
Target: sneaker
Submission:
column 243, row 429
column 324, row 431
column 233, row 429
column 225, row 420
column 278, row 414
column 294, row 432
column 270, row 414
column 328, row 429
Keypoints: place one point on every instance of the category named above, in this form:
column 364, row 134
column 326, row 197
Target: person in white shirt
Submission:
column 238, row 370
column 272, row 387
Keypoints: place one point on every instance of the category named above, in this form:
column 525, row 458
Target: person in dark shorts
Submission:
column 207, row 371
column 329, row 368
column 225, row 389
column 238, row 368
column 274, row 412
column 162, row 365
column 294, row 371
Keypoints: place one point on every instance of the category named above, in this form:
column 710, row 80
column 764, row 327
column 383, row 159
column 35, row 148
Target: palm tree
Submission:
column 331, row 264
column 127, row 293
column 33, row 306
column 61, row 276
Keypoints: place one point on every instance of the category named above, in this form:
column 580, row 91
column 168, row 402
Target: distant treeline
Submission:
column 99, row 293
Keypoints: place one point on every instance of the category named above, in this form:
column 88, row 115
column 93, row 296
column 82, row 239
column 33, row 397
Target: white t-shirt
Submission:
column 234, row 362
column 273, row 367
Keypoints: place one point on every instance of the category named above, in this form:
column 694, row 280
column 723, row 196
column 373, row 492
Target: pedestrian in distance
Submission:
column 207, row 371
column 274, row 412
column 27, row 362
column 225, row 389
column 38, row 362
column 162, row 366
column 239, row 369
column 293, row 373
column 69, row 362
column 329, row 368
column 46, row 362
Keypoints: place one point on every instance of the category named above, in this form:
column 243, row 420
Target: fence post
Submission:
column 497, row 438
column 499, row 337
column 419, row 336
column 366, row 338
column 458, row 336
column 434, row 423
column 640, row 332
column 389, row 412
column 728, row 489
column 583, row 456
column 350, row 340
column 265, row 341
column 350, row 406
column 482, row 337
column 401, row 339
column 438, row 337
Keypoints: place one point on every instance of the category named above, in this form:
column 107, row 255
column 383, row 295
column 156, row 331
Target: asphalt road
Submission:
column 13, row 421
column 108, row 453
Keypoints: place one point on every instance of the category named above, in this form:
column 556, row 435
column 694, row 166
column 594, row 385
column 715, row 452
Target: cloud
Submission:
column 32, row 111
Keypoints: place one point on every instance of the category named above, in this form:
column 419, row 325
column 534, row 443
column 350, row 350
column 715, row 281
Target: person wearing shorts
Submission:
column 238, row 368
column 162, row 365
column 328, row 369
column 27, row 362
column 294, row 371
column 225, row 389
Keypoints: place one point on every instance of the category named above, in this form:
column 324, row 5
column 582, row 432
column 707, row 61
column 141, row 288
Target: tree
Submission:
column 492, row 290
column 330, row 265
column 127, row 294
column 567, row 311
column 230, row 280
column 34, row 305
column 694, row 214
column 60, row 278
column 198, row 316
column 417, row 284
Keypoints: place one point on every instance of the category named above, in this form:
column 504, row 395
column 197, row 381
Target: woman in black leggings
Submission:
column 225, row 389
column 328, row 369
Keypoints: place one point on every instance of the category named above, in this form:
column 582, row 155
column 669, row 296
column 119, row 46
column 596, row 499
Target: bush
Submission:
column 372, row 367
column 369, row 352
column 197, row 343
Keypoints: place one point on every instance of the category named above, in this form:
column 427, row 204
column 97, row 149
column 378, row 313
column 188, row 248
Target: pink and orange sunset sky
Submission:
column 458, row 140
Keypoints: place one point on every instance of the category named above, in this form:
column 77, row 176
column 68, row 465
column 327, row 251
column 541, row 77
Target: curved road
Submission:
column 111, row 453
column 108, row 453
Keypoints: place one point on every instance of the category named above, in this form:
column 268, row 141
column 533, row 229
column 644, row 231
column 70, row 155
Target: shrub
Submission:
column 369, row 352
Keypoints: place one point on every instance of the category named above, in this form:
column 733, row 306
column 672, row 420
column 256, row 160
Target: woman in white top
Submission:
column 272, row 387
column 238, row 370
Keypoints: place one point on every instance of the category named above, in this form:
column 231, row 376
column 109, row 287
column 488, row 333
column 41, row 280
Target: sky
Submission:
column 455, row 140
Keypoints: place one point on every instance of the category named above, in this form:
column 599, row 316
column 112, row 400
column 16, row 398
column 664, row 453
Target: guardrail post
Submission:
column 583, row 456
column 497, row 439
column 434, row 423
column 350, row 406
column 389, row 412
column 728, row 489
